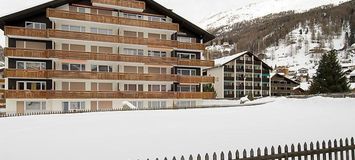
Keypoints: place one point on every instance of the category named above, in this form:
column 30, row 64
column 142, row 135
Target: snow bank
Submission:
column 150, row 134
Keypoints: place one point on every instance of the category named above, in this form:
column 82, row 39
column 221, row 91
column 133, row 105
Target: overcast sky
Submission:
column 193, row 10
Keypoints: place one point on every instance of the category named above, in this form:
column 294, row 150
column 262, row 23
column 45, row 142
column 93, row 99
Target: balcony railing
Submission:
column 18, row 52
column 105, row 76
column 55, row 13
column 50, row 33
column 20, row 94
column 122, row 3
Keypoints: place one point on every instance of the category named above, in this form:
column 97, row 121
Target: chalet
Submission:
column 282, row 86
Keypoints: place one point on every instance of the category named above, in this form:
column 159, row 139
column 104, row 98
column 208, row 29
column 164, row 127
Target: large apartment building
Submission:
column 68, row 55
column 240, row 75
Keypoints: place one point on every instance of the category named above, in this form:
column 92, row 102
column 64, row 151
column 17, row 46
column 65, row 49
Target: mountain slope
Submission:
column 260, row 9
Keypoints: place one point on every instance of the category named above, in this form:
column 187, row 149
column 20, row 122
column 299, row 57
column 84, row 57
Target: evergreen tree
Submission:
column 329, row 77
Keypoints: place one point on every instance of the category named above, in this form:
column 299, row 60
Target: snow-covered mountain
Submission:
column 260, row 9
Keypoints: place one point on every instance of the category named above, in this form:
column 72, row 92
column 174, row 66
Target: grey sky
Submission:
column 193, row 10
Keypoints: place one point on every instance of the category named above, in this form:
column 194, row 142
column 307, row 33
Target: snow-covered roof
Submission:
column 224, row 60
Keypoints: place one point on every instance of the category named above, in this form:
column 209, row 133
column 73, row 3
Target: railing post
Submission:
column 237, row 154
column 207, row 157
column 292, row 151
column 324, row 147
column 305, row 148
column 318, row 148
column 214, row 156
column 299, row 149
column 342, row 152
column 311, row 149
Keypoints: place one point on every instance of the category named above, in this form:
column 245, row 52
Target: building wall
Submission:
column 218, row 85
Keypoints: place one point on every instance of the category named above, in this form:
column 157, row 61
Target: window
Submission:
column 186, row 104
column 187, row 72
column 76, row 9
column 157, row 36
column 101, row 49
column 133, row 34
column 73, row 67
column 101, row 68
column 135, row 52
column 73, row 28
column 157, row 104
column 186, row 55
column 36, row 106
column 156, row 19
column 186, row 88
column 157, row 70
column 157, row 88
column 132, row 16
column 133, row 87
column 157, row 53
column 185, row 39
column 31, row 65
column 101, row 31
column 35, row 25
column 138, row 104
column 31, row 85
column 73, row 106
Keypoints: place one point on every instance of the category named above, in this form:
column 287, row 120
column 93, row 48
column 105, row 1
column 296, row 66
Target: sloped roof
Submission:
column 280, row 75
column 224, row 60
column 56, row 3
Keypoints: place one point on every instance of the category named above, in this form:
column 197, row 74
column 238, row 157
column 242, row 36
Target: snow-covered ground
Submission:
column 150, row 134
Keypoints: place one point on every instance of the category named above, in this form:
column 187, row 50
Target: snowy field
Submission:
column 150, row 134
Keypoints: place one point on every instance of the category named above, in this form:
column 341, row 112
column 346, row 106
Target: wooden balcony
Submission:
column 55, row 13
column 47, row 74
column 17, row 94
column 20, row 31
column 18, row 52
column 123, row 3
column 2, row 80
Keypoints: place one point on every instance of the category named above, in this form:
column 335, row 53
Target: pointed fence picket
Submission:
column 331, row 150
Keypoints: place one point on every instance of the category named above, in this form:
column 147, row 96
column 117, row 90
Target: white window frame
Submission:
column 184, row 39
column 26, row 62
column 43, row 106
column 105, row 31
column 150, row 87
column 157, row 53
column 190, row 55
column 43, row 84
column 70, row 28
column 82, row 66
column 109, row 68
column 191, row 88
column 180, row 71
column 137, row 87
column 133, row 16
column 34, row 24
column 133, row 51
column 157, row 104
column 82, row 105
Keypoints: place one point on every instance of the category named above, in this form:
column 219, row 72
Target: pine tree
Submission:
column 329, row 77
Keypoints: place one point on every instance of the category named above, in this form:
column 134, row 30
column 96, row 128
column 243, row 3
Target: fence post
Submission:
column 318, row 148
column 174, row 158
column 207, row 157
column 266, row 152
column 293, row 150
column 352, row 151
column 182, row 158
column 198, row 157
column 336, row 153
column 222, row 156
column 214, row 156
column 191, row 158
column 237, row 154
column 229, row 155
column 286, row 152
column 347, row 157
column 342, row 152
column 299, row 149
column 244, row 153
column 324, row 147
column 312, row 148
column 165, row 158
column 305, row 148
column 251, row 153
column 330, row 154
